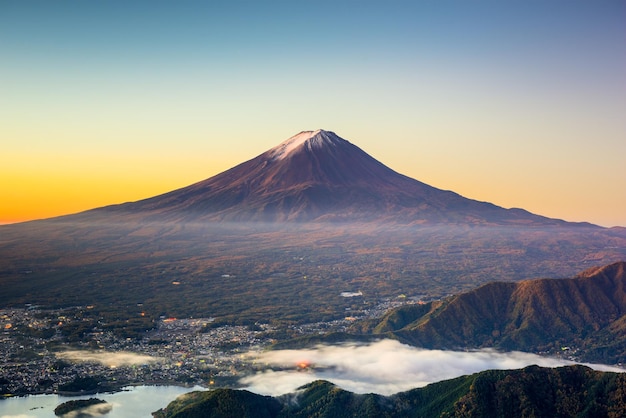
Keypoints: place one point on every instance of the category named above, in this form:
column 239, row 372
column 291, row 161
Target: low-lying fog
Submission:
column 107, row 358
column 384, row 367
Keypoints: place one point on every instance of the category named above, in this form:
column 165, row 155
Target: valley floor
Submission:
column 39, row 358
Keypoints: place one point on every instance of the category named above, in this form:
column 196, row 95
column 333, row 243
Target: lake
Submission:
column 133, row 402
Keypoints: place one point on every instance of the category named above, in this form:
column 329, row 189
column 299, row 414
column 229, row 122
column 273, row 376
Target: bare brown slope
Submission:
column 585, row 312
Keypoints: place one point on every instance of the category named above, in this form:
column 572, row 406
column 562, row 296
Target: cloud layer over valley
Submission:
column 384, row 367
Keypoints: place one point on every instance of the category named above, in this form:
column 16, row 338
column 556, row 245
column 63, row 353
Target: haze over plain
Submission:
column 520, row 104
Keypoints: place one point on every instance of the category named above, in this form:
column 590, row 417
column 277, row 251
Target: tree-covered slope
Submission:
column 221, row 403
column 573, row 391
column 587, row 312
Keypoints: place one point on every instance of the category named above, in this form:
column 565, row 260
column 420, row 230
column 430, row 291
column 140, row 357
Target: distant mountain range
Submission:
column 573, row 391
column 585, row 315
column 318, row 176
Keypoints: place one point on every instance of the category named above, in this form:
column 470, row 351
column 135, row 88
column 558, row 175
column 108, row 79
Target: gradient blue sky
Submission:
column 520, row 103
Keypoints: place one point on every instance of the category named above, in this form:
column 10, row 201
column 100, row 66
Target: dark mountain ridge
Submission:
column 573, row 391
column 318, row 176
column 586, row 313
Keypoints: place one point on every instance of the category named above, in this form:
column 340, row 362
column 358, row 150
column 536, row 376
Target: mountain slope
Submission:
column 318, row 176
column 408, row 238
column 586, row 313
column 529, row 392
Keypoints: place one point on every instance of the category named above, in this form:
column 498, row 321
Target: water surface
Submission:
column 132, row 402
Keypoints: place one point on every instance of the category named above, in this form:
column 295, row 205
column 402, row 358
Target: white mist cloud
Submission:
column 107, row 358
column 384, row 367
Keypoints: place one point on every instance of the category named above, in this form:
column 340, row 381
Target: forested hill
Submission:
column 529, row 392
column 586, row 313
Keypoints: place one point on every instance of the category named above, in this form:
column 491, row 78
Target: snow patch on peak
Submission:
column 311, row 138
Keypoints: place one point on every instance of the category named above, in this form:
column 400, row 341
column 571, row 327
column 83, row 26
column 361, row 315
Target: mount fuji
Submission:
column 318, row 176
column 288, row 234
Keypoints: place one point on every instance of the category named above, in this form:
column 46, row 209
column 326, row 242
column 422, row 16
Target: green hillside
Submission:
column 573, row 391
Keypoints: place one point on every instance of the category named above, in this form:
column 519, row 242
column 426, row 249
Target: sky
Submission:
column 519, row 103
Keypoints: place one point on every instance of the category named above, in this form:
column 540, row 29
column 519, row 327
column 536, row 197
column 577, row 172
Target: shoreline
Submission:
column 111, row 390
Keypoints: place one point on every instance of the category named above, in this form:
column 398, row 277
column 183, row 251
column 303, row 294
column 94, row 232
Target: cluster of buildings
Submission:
column 179, row 351
column 37, row 358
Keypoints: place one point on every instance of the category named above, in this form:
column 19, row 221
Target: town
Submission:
column 40, row 358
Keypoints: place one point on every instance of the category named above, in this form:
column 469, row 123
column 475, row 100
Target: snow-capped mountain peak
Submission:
column 310, row 139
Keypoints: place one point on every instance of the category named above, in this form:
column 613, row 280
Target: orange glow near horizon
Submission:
column 79, row 184
column 40, row 198
column 48, row 190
